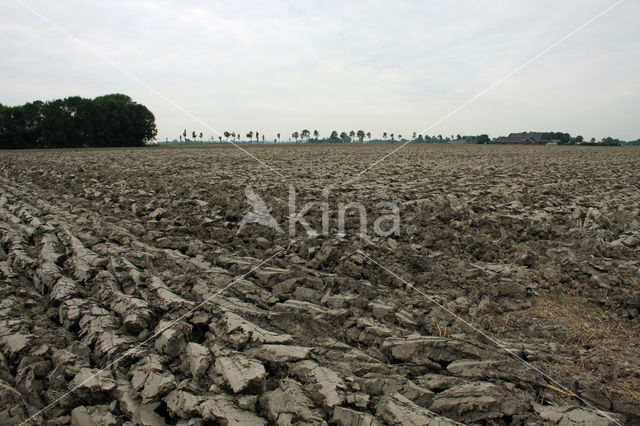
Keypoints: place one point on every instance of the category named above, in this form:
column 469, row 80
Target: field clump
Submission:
column 131, row 294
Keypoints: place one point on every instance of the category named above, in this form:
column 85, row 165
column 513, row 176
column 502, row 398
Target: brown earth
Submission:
column 511, row 295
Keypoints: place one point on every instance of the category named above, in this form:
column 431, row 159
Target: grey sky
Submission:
column 336, row 65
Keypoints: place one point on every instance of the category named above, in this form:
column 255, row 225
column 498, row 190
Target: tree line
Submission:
column 307, row 135
column 361, row 135
column 561, row 138
column 105, row 121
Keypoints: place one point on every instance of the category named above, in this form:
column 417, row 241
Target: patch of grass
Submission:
column 582, row 322
column 629, row 389
column 586, row 325
column 568, row 302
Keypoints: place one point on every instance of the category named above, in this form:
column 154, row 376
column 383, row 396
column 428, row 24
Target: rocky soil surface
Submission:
column 128, row 294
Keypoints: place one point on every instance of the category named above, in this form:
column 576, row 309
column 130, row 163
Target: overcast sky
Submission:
column 280, row 66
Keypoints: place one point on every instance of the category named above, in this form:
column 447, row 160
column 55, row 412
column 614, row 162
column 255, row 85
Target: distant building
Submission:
column 524, row 138
column 458, row 141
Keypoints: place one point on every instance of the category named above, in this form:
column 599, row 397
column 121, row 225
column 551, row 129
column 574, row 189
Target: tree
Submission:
column 361, row 135
column 316, row 134
column 250, row 135
column 563, row 138
column 220, row 138
column 109, row 120
column 609, row 141
column 278, row 136
column 60, row 125
column 345, row 137
column 391, row 137
column 184, row 133
column 334, row 135
column 226, row 135
column 414, row 136
column 257, row 136
column 459, row 137
column 579, row 139
column 384, row 136
column 440, row 137
column 295, row 135
column 482, row 139
column 593, row 140
column 400, row 138
column 30, row 123
column 201, row 137
column 305, row 134
column 352, row 134
column 369, row 135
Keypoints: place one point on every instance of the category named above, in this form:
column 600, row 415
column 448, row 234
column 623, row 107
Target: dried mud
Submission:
column 107, row 255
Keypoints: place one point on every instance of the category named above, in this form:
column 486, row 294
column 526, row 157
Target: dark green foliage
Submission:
column 106, row 121
column 483, row 139
column 609, row 141
column 562, row 138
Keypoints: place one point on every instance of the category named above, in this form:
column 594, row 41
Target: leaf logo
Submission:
column 260, row 214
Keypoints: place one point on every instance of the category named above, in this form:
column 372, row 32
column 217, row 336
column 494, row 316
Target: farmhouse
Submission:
column 525, row 138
